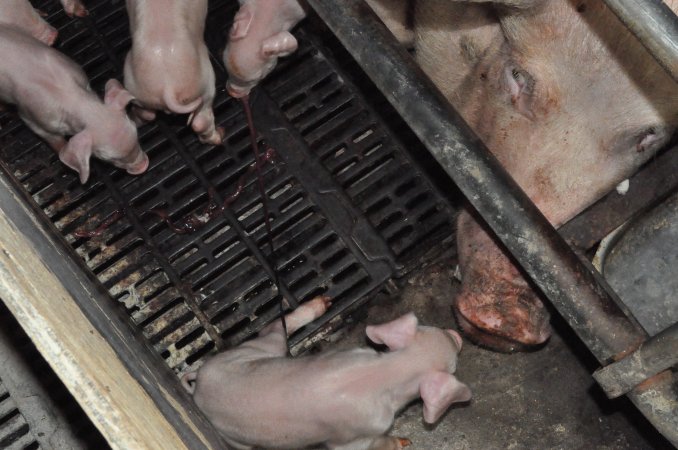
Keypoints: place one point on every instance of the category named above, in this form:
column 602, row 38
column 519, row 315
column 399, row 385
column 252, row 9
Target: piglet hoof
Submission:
column 403, row 442
column 320, row 305
column 49, row 36
column 74, row 8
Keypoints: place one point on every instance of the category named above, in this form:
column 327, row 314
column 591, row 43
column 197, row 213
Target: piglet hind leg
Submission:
column 203, row 124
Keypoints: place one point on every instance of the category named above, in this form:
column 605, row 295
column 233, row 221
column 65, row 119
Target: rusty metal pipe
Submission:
column 579, row 294
column 655, row 26
column 655, row 355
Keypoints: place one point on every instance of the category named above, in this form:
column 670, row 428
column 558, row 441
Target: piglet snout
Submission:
column 139, row 166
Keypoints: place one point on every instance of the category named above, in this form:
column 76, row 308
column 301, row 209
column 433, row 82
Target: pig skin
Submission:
column 259, row 36
column 168, row 68
column 256, row 396
column 567, row 100
column 53, row 98
column 20, row 14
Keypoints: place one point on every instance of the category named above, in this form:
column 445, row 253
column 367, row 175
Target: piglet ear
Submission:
column 396, row 334
column 116, row 95
column 76, row 154
column 281, row 44
column 439, row 390
column 242, row 22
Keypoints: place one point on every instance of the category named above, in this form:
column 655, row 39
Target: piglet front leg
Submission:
column 272, row 341
column 272, row 338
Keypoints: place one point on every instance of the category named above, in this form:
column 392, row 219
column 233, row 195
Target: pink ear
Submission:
column 76, row 154
column 241, row 22
column 396, row 334
column 282, row 44
column 116, row 95
column 439, row 390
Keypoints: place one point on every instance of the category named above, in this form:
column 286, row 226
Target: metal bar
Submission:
column 658, row 353
column 655, row 26
column 653, row 182
column 584, row 300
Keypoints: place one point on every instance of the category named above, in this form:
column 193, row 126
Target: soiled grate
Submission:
column 15, row 432
column 349, row 209
column 36, row 409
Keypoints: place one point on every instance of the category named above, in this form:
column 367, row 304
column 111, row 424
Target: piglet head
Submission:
column 256, row 41
column 434, row 352
column 113, row 136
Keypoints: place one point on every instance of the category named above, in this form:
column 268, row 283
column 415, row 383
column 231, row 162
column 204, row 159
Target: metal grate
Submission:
column 349, row 209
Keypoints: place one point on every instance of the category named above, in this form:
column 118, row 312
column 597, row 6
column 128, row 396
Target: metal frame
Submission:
column 572, row 285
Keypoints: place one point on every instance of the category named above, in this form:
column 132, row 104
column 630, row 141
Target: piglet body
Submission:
column 20, row 14
column 53, row 98
column 256, row 396
column 259, row 35
column 168, row 68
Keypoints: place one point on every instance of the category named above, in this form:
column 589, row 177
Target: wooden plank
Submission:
column 114, row 377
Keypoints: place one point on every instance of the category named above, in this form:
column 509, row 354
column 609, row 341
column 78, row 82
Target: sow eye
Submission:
column 653, row 138
column 650, row 139
column 520, row 86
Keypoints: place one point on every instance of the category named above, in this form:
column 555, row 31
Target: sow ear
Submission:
column 116, row 95
column 76, row 154
column 439, row 390
column 396, row 334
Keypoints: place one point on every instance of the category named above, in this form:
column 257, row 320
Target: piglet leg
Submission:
column 203, row 124
column 74, row 8
column 304, row 314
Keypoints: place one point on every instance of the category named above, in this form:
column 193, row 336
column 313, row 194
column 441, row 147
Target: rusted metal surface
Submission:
column 658, row 353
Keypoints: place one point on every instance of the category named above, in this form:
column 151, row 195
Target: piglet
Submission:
column 259, row 35
column 53, row 98
column 20, row 14
column 168, row 68
column 256, row 396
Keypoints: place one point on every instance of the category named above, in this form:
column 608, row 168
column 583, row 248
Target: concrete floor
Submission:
column 545, row 399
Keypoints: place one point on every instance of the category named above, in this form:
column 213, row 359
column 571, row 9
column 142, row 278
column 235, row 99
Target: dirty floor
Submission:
column 540, row 400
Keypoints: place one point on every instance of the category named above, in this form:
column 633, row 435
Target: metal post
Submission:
column 655, row 26
column 585, row 301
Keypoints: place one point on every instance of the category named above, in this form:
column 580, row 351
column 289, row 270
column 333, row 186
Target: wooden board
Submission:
column 118, row 381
